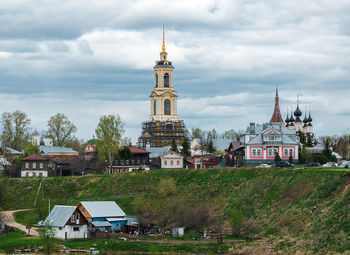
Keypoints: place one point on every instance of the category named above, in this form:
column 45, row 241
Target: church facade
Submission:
column 163, row 125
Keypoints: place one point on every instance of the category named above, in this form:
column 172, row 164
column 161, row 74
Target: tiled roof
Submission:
column 136, row 150
column 35, row 157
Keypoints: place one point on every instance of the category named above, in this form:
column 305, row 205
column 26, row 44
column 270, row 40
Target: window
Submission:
column 72, row 218
column 156, row 80
column 27, row 165
column 166, row 80
column 40, row 174
column 59, row 228
column 290, row 152
column 49, row 165
column 275, row 151
column 41, row 165
column 75, row 228
column 178, row 162
column 34, row 173
column 254, row 152
column 167, row 107
column 285, row 152
column 270, row 152
column 155, row 107
column 171, row 162
column 258, row 152
column 82, row 209
column 34, row 165
column 77, row 216
column 165, row 162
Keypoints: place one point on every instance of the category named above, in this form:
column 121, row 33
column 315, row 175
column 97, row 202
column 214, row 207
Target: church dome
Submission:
column 309, row 119
column 306, row 120
column 297, row 112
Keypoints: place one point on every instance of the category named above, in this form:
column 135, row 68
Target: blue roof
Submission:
column 47, row 150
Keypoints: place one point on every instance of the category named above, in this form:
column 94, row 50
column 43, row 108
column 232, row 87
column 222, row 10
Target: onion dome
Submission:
column 297, row 112
column 306, row 120
column 309, row 119
column 309, row 124
column 291, row 124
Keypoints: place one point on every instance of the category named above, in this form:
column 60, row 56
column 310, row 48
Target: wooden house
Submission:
column 68, row 222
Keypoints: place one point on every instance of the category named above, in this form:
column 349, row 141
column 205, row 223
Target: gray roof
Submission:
column 59, row 215
column 156, row 152
column 101, row 224
column 221, row 144
column 47, row 150
column 103, row 209
column 12, row 151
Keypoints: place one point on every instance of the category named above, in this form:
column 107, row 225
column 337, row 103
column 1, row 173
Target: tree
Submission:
column 277, row 157
column 109, row 131
column 327, row 152
column 124, row 154
column 186, row 151
column 235, row 219
column 31, row 149
column 233, row 135
column 210, row 146
column 309, row 140
column 60, row 129
column 290, row 160
column 15, row 129
column 173, row 146
column 196, row 133
column 47, row 234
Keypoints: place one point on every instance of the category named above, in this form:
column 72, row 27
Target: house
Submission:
column 205, row 161
column 105, row 216
column 139, row 159
column 171, row 160
column 154, row 156
column 3, row 165
column 37, row 165
column 90, row 146
column 262, row 142
column 68, row 222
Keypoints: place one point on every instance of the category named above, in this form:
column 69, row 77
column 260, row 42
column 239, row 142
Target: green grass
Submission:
column 311, row 205
column 18, row 239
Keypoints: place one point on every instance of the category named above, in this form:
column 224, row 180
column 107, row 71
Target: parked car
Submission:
column 283, row 164
column 345, row 164
column 330, row 164
column 312, row 164
column 263, row 166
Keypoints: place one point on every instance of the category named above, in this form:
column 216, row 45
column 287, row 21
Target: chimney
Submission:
column 252, row 128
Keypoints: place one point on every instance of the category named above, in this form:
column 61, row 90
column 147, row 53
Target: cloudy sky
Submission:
column 89, row 58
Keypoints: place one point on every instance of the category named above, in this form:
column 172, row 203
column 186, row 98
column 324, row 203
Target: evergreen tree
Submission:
column 210, row 146
column 302, row 137
column 277, row 157
column 327, row 151
column 185, row 151
column 309, row 140
column 173, row 146
column 290, row 160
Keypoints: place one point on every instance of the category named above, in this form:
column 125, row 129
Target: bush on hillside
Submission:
column 235, row 218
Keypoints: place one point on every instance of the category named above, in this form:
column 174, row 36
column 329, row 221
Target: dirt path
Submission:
column 10, row 221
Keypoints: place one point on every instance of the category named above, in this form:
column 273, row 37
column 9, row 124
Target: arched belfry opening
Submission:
column 166, row 80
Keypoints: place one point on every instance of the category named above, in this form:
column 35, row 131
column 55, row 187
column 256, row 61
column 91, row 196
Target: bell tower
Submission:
column 163, row 97
column 163, row 126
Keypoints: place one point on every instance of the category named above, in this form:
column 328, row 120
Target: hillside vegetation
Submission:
column 295, row 210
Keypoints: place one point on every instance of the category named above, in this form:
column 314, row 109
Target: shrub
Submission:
column 277, row 157
column 235, row 219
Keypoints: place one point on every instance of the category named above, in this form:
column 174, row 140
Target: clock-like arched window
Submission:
column 167, row 107
column 166, row 80
column 156, row 80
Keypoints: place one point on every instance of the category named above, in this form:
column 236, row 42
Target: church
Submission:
column 164, row 124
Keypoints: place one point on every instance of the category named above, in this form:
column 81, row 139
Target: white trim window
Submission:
column 27, row 165
column 290, row 152
column 286, row 152
column 72, row 218
column 270, row 152
column 258, row 152
column 34, row 165
column 41, row 165
column 275, row 151
column 254, row 152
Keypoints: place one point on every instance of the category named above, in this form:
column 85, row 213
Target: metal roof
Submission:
column 116, row 219
column 156, row 152
column 59, row 215
column 103, row 209
column 47, row 150
column 101, row 224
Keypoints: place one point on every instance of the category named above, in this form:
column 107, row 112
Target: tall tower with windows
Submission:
column 164, row 124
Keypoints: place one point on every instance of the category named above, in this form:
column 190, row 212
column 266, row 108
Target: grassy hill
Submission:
column 296, row 210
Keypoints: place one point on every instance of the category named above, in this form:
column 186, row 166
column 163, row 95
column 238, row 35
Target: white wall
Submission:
column 82, row 233
column 177, row 162
column 30, row 173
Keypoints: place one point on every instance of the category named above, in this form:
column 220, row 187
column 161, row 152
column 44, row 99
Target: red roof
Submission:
column 136, row 150
column 276, row 116
column 35, row 157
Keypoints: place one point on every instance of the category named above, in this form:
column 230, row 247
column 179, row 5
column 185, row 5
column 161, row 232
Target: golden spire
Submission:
column 163, row 46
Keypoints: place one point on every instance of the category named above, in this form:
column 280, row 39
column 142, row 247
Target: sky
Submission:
column 89, row 58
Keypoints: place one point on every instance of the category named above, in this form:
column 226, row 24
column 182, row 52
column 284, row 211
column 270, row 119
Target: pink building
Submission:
column 262, row 142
